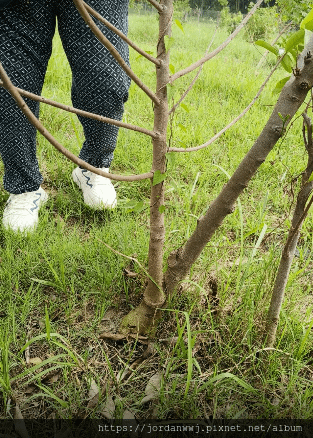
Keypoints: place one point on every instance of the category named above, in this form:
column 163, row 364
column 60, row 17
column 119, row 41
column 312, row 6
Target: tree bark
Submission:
column 140, row 319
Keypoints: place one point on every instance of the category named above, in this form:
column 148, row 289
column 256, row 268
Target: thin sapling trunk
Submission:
column 141, row 318
column 288, row 253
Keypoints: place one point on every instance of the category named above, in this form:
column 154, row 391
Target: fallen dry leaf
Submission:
column 35, row 360
column 93, row 395
column 93, row 402
column 130, row 274
column 153, row 388
column 93, row 390
column 128, row 415
column 26, row 353
column 19, row 423
column 51, row 378
column 29, row 389
column 109, row 408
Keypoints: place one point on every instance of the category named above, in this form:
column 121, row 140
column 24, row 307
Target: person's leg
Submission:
column 26, row 31
column 99, row 83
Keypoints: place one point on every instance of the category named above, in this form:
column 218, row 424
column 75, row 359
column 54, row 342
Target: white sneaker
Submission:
column 21, row 211
column 98, row 191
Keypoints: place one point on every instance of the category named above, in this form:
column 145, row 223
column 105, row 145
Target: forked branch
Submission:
column 157, row 5
column 211, row 55
column 39, row 126
column 79, row 112
column 120, row 34
column 89, row 21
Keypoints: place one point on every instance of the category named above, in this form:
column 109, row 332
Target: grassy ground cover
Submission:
column 61, row 286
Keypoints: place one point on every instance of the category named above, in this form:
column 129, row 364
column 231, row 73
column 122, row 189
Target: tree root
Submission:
column 142, row 320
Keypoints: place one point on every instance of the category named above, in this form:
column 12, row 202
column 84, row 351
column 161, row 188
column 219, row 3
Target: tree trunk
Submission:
column 139, row 320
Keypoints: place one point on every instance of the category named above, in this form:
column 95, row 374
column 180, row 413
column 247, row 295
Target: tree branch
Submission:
column 87, row 18
column 194, row 79
column 218, row 49
column 70, row 109
column 121, row 35
column 157, row 5
column 216, row 136
column 39, row 126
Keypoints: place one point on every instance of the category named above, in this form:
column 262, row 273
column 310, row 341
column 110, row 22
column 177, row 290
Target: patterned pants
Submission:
column 99, row 84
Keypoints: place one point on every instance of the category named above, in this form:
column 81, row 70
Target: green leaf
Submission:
column 170, row 156
column 134, row 206
column 284, row 119
column 267, row 46
column 172, row 69
column 47, row 283
column 311, row 177
column 185, row 107
column 182, row 127
column 295, row 39
column 139, row 207
column 130, row 205
column 178, row 23
column 158, row 177
column 162, row 209
column 222, row 376
column 168, row 41
column 308, row 34
column 294, row 54
column 280, row 85
column 309, row 26
column 287, row 63
column 306, row 22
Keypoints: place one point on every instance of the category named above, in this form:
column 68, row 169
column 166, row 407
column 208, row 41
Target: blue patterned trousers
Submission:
column 99, row 84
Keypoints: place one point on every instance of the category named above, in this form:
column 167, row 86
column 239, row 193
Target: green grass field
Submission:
column 61, row 286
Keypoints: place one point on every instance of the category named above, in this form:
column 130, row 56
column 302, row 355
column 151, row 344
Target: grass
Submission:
column 62, row 281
